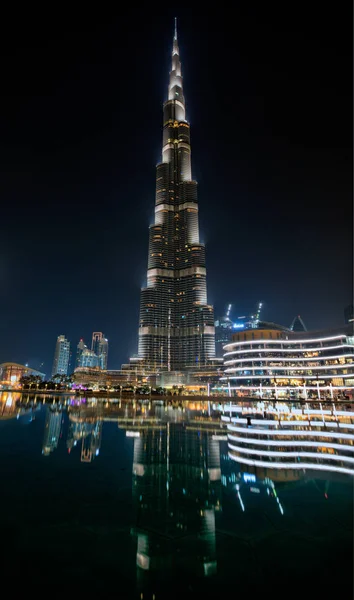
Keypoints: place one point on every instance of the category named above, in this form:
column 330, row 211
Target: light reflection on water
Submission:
column 159, row 497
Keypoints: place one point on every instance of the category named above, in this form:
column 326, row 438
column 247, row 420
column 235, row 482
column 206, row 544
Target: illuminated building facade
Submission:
column 11, row 373
column 276, row 362
column 61, row 356
column 176, row 325
column 89, row 359
column 100, row 347
column 79, row 350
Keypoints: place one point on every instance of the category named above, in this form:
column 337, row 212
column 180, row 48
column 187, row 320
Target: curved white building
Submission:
column 275, row 362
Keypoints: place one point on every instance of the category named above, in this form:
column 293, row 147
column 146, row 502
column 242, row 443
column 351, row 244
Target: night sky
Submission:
column 269, row 99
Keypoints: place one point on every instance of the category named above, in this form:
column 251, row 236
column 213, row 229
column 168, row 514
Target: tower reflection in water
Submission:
column 176, row 491
column 52, row 431
column 89, row 432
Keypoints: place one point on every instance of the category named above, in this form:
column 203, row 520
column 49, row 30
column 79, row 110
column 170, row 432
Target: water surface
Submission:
column 132, row 503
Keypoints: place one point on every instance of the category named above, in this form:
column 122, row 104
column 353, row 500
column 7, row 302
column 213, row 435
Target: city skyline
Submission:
column 276, row 162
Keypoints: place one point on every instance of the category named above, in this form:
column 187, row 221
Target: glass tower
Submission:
column 176, row 326
column 100, row 348
column 61, row 356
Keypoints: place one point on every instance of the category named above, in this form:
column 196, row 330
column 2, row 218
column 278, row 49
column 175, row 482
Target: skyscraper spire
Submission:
column 175, row 89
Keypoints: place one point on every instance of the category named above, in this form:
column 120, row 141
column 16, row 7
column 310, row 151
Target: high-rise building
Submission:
column 61, row 356
column 89, row 358
column 100, row 348
column 176, row 326
column 79, row 350
column 298, row 324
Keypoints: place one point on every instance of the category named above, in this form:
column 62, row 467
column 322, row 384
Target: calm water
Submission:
column 129, row 503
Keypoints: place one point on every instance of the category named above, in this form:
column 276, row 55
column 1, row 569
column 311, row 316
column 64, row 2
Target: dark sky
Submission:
column 269, row 99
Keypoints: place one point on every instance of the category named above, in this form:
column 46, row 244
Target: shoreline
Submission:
column 107, row 395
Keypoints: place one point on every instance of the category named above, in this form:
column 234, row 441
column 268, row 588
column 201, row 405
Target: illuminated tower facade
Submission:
column 100, row 347
column 61, row 356
column 176, row 327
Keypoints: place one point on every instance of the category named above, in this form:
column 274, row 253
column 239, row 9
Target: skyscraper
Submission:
column 79, row 350
column 176, row 326
column 100, row 348
column 89, row 358
column 61, row 356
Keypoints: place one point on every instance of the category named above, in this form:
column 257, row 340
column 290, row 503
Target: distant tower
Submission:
column 89, row 358
column 103, row 353
column 298, row 324
column 80, row 348
column 96, row 340
column 100, row 348
column 61, row 356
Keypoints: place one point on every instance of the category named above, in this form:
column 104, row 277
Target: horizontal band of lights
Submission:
column 290, row 443
column 283, row 341
column 266, row 388
column 256, row 349
column 285, row 368
column 299, row 423
column 293, row 466
column 290, row 423
column 284, row 359
column 269, row 376
column 283, row 408
column 267, row 421
column 275, row 432
column 270, row 453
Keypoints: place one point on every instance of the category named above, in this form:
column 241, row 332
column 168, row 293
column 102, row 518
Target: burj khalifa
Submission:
column 176, row 325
